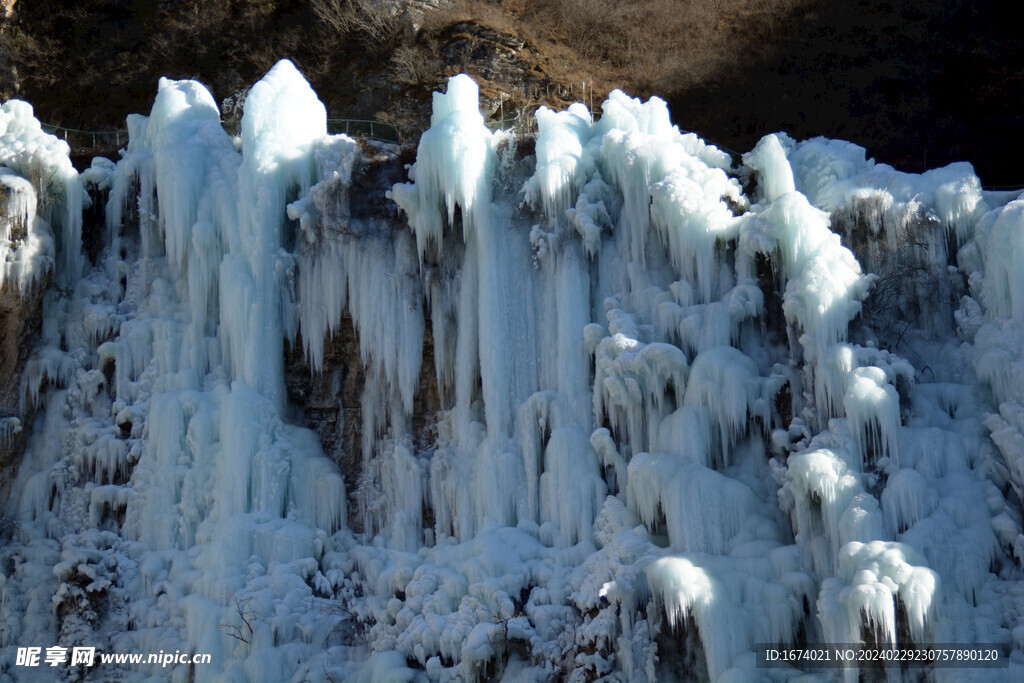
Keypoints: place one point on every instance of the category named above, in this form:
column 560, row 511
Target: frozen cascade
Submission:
column 42, row 200
column 665, row 419
column 206, row 498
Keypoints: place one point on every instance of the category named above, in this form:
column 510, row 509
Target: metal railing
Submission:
column 374, row 130
column 88, row 139
column 95, row 140
column 83, row 141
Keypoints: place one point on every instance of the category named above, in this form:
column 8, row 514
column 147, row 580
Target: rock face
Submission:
column 20, row 318
column 329, row 402
column 492, row 52
column 10, row 82
column 25, row 270
column 40, row 211
column 330, row 398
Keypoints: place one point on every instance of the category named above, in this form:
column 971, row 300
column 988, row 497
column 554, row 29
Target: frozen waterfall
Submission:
column 627, row 407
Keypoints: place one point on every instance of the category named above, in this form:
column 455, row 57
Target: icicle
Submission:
column 824, row 489
column 453, row 168
column 703, row 510
column 907, row 498
column 282, row 119
column 570, row 464
column 873, row 577
column 723, row 385
column 562, row 166
column 41, row 217
column 873, row 408
column 690, row 216
column 768, row 158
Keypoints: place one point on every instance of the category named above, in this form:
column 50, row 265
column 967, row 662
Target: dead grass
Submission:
column 643, row 46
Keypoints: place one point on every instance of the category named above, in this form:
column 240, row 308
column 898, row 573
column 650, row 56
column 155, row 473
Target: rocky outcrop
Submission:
column 331, row 399
column 25, row 270
column 20, row 319
column 37, row 185
column 9, row 79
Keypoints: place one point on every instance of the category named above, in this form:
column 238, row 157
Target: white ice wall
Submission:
column 675, row 420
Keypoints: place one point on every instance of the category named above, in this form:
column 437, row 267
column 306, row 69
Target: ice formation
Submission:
column 42, row 198
column 674, row 418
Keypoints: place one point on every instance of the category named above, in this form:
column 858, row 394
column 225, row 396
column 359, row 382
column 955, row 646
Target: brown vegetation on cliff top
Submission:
column 918, row 83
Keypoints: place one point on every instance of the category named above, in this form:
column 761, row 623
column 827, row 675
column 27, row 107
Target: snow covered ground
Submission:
column 690, row 403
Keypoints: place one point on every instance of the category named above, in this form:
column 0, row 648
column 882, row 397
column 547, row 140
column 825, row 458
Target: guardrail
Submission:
column 375, row 130
column 96, row 140
column 88, row 139
column 83, row 141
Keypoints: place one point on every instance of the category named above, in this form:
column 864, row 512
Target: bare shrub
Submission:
column 406, row 127
column 913, row 290
column 242, row 631
column 376, row 25
column 414, row 65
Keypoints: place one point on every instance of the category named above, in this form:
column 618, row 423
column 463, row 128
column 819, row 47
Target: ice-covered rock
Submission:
column 609, row 416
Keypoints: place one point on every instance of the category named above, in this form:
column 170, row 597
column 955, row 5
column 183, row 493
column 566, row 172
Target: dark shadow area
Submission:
column 919, row 84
